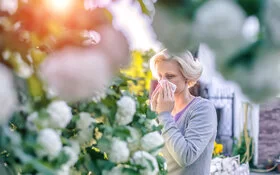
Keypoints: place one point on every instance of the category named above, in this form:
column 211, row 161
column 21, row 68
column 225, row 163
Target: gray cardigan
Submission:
column 190, row 140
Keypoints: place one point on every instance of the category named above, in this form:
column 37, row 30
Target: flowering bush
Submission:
column 85, row 136
column 64, row 110
column 119, row 131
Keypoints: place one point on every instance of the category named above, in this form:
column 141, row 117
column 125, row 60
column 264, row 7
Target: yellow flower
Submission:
column 138, row 69
column 160, row 154
column 218, row 149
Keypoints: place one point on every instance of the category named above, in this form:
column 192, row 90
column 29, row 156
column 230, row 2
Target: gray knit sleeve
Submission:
column 187, row 147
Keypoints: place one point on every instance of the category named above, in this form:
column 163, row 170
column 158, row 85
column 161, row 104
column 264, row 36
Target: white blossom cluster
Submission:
column 84, row 124
column 219, row 24
column 59, row 113
column 59, row 116
column 152, row 142
column 119, row 151
column 50, row 143
column 228, row 166
column 69, row 73
column 133, row 142
column 8, row 96
column 126, row 110
column 9, row 6
column 146, row 160
column 272, row 19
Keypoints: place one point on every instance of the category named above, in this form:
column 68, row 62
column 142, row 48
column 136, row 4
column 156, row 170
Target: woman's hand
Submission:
column 165, row 99
column 154, row 98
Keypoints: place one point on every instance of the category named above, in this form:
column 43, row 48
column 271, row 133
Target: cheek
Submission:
column 181, row 84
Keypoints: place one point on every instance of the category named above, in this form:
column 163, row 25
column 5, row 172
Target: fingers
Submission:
column 154, row 98
column 165, row 101
column 161, row 94
column 166, row 94
column 169, row 89
column 155, row 91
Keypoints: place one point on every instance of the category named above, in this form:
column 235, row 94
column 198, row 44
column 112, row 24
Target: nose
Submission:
column 162, row 78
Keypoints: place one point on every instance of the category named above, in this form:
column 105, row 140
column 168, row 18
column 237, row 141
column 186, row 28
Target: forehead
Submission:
column 165, row 66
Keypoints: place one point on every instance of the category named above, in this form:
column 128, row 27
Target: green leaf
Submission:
column 130, row 171
column 104, row 144
column 251, row 7
column 60, row 160
column 161, row 161
column 150, row 114
column 122, row 132
column 105, row 164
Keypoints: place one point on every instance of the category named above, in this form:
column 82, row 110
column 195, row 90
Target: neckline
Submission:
column 178, row 115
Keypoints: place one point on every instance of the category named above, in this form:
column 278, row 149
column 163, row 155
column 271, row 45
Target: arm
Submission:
column 186, row 148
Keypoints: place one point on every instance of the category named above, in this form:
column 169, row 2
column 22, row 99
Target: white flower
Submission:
column 59, row 113
column 216, row 164
column 6, row 53
column 219, row 24
column 14, row 137
column 119, row 151
column 213, row 168
column 76, row 74
column 126, row 110
column 50, row 142
column 73, row 155
column 149, row 124
column 31, row 121
column 146, row 160
column 266, row 70
column 173, row 31
column 118, row 54
column 8, row 96
column 251, row 28
column 75, row 146
column 85, row 121
column 258, row 83
column 64, row 170
column 98, row 98
column 9, row 6
column 86, row 129
column 85, row 135
column 272, row 19
column 227, row 165
column 24, row 70
column 152, row 142
column 133, row 141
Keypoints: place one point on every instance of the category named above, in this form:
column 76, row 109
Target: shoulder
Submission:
column 203, row 103
column 204, row 107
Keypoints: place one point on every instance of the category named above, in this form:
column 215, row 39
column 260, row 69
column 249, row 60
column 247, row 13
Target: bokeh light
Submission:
column 59, row 6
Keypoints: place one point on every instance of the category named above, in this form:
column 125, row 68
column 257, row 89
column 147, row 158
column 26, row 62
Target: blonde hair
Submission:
column 190, row 68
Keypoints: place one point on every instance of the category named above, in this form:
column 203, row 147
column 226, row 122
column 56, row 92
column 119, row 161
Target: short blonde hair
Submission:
column 190, row 68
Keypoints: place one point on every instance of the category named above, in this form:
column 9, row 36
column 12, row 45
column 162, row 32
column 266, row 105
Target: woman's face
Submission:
column 170, row 70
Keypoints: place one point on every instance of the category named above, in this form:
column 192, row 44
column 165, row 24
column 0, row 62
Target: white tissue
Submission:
column 173, row 86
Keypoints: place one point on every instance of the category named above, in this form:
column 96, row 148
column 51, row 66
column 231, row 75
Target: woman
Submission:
column 189, row 123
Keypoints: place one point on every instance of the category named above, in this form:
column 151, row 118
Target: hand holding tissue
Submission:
column 173, row 86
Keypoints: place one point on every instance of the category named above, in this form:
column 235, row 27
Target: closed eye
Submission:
column 169, row 76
